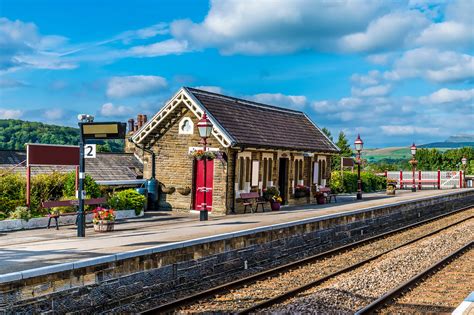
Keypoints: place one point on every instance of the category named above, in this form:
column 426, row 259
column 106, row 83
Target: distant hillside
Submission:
column 15, row 133
column 449, row 145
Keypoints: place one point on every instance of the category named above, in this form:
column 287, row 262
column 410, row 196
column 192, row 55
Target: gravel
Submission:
column 252, row 293
column 355, row 289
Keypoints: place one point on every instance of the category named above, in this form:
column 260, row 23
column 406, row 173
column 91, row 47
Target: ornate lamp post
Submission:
column 205, row 128
column 413, row 163
column 464, row 163
column 358, row 144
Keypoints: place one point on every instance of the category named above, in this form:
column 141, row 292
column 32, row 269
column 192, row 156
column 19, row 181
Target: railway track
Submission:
column 437, row 289
column 262, row 290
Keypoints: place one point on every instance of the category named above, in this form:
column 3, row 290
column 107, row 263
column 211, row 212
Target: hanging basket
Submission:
column 184, row 190
column 167, row 190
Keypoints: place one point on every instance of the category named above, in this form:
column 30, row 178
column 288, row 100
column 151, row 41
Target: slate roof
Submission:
column 254, row 124
column 106, row 167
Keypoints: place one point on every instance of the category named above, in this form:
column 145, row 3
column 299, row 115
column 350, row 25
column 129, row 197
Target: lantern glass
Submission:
column 204, row 127
column 359, row 144
column 413, row 149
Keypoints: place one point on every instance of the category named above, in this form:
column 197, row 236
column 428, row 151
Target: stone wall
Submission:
column 130, row 282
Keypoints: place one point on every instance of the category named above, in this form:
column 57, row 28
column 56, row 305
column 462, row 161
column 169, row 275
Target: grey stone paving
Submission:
column 28, row 249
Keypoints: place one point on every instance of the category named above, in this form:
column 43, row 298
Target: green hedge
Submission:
column 348, row 183
column 44, row 187
column 127, row 200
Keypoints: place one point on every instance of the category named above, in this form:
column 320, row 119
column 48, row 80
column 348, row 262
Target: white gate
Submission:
column 427, row 179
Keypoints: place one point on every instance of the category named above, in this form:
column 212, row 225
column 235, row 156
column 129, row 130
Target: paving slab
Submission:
column 23, row 250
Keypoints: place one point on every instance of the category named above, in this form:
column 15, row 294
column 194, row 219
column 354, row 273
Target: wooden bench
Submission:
column 419, row 183
column 248, row 199
column 67, row 203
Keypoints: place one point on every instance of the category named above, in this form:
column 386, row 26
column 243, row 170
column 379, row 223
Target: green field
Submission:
column 394, row 153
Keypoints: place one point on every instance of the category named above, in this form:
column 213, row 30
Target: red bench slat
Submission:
column 65, row 203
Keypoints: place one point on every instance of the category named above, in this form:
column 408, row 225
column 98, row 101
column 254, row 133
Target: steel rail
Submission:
column 284, row 296
column 392, row 294
column 168, row 307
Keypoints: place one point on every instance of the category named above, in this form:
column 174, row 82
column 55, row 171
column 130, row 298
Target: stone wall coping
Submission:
column 10, row 277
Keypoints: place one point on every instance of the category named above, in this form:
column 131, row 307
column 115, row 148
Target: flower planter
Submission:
column 104, row 226
column 275, row 206
column 391, row 190
column 300, row 194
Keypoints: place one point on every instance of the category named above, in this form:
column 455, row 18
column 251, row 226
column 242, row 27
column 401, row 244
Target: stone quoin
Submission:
column 256, row 146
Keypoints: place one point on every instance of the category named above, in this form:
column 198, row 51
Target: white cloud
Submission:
column 54, row 114
column 6, row 83
column 163, row 48
column 433, row 65
column 278, row 26
column 371, row 91
column 444, row 96
column 372, row 78
column 404, row 130
column 210, row 88
column 23, row 46
column 10, row 113
column 111, row 110
column 292, row 101
column 456, row 30
column 137, row 85
column 390, row 31
column 380, row 59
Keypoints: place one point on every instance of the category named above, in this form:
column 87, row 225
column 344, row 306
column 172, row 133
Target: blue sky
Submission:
column 395, row 72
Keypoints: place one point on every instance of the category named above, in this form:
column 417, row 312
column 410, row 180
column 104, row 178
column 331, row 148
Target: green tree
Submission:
column 327, row 133
column 346, row 150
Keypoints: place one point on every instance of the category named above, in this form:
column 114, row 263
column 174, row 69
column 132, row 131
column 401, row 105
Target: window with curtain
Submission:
column 247, row 170
column 241, row 173
column 300, row 170
column 270, row 169
column 265, row 173
column 297, row 173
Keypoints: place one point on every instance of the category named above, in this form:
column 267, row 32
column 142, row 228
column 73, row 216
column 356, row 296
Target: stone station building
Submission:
column 256, row 146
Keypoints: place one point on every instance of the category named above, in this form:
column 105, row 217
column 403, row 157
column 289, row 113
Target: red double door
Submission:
column 200, row 186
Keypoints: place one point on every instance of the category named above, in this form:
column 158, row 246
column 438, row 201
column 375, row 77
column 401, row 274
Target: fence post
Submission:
column 28, row 185
column 77, row 181
column 401, row 179
column 419, row 180
column 460, row 180
column 439, row 179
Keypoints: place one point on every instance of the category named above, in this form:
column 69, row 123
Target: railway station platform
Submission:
column 167, row 253
column 466, row 307
column 22, row 250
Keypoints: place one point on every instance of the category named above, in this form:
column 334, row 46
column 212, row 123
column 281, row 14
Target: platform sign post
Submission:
column 98, row 131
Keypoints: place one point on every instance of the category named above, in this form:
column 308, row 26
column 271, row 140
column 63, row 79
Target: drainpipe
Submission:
column 234, row 160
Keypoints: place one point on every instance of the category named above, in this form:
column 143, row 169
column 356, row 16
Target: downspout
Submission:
column 153, row 156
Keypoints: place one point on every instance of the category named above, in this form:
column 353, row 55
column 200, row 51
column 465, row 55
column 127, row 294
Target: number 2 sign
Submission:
column 90, row 151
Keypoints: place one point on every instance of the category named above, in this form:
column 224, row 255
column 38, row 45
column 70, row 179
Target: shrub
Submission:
column 348, row 184
column 46, row 187
column 3, row 215
column 8, row 205
column 127, row 199
column 90, row 186
column 20, row 213
column 12, row 186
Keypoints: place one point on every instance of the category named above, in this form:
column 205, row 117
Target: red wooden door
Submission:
column 199, row 184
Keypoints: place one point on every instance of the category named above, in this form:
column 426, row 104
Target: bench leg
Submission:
column 49, row 222
column 245, row 209
column 57, row 222
column 263, row 207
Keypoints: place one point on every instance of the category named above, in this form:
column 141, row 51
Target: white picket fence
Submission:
column 427, row 179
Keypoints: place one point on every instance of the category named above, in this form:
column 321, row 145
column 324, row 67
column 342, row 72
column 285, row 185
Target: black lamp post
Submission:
column 359, row 144
column 464, row 164
column 205, row 128
column 413, row 163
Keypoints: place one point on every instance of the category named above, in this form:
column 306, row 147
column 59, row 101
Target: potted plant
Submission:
column 103, row 219
column 275, row 202
column 269, row 192
column 320, row 198
column 301, row 191
column 391, row 186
